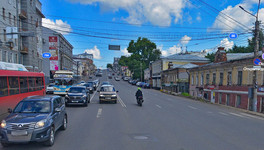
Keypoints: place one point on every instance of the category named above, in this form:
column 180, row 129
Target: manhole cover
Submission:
column 140, row 137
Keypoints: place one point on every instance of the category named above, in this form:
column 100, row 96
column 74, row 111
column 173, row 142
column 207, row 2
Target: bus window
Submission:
column 23, row 85
column 31, row 81
column 13, row 85
column 3, row 86
column 39, row 83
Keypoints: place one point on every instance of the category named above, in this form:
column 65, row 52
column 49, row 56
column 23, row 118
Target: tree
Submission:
column 109, row 66
column 211, row 56
column 143, row 51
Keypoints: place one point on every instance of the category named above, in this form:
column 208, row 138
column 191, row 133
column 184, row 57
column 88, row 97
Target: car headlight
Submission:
column 3, row 124
column 113, row 95
column 101, row 95
column 40, row 124
column 84, row 96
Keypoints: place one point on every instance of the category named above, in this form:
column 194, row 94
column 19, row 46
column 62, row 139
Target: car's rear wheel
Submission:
column 64, row 124
column 51, row 139
column 85, row 104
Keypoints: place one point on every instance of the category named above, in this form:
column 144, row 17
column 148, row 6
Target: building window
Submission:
column 197, row 83
column 227, row 99
column 31, row 2
column 31, row 20
column 14, row 20
column 229, row 78
column 15, row 58
column 214, row 77
column 220, row 98
column 4, row 35
column 221, row 79
column 10, row 57
column 9, row 16
column 239, row 78
column 207, row 78
column 192, row 80
column 4, row 56
column 238, row 101
column 3, row 13
column 202, row 79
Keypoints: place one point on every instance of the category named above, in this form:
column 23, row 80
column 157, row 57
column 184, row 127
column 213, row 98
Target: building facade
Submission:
column 9, row 42
column 228, row 82
column 64, row 57
column 84, row 55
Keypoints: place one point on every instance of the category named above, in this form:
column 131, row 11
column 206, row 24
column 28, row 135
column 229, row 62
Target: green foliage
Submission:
column 143, row 51
column 109, row 66
column 185, row 94
column 211, row 56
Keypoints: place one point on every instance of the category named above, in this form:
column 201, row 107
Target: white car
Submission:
column 138, row 83
column 50, row 89
column 117, row 78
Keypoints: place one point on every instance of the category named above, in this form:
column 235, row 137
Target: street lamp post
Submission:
column 256, row 50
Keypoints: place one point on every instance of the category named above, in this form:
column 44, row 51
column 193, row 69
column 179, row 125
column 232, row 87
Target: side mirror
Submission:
column 57, row 110
column 9, row 110
column 117, row 91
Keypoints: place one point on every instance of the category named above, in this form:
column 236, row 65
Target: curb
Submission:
column 229, row 107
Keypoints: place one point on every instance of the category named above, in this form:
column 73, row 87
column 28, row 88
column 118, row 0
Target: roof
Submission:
column 186, row 57
column 12, row 66
column 37, row 97
column 237, row 56
column 189, row 65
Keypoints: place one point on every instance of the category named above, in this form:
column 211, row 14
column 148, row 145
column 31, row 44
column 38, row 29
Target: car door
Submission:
column 62, row 108
column 55, row 115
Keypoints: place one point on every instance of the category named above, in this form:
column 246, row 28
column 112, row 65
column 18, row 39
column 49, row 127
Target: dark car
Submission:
column 94, row 84
column 89, row 87
column 34, row 119
column 77, row 95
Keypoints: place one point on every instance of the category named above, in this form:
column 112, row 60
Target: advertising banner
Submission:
column 54, row 65
column 53, row 47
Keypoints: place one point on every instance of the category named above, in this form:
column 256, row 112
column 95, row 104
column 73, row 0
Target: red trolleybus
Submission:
column 16, row 85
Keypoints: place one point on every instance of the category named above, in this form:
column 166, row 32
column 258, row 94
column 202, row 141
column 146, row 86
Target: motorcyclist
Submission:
column 139, row 93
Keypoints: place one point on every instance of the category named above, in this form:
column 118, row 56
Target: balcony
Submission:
column 24, row 50
column 23, row 14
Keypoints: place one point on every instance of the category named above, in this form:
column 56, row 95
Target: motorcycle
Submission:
column 140, row 100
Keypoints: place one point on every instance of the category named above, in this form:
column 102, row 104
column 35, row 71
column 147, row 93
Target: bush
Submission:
column 185, row 94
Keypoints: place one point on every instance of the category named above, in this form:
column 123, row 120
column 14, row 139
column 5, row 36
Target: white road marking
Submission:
column 158, row 106
column 99, row 112
column 94, row 94
column 192, row 107
column 236, row 115
column 121, row 101
column 252, row 116
column 223, row 113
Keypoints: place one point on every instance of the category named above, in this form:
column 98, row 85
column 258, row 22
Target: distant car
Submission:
column 107, row 93
column 97, row 82
column 138, row 84
column 50, row 89
column 109, row 77
column 141, row 84
column 90, row 77
column 106, row 83
column 94, row 85
column 134, row 82
column 117, row 78
column 89, row 87
column 34, row 119
column 146, row 85
column 77, row 95
column 126, row 78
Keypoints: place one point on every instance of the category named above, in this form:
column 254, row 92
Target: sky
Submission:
column 174, row 25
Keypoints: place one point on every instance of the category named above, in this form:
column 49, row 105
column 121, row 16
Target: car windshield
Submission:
column 77, row 90
column 51, row 85
column 33, row 107
column 88, row 85
column 107, row 89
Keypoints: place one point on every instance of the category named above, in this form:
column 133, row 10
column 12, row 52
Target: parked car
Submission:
column 141, row 84
column 117, row 78
column 134, row 82
column 77, row 95
column 89, row 87
column 138, row 84
column 107, row 93
column 126, row 78
column 50, row 88
column 34, row 119
column 146, row 85
column 109, row 77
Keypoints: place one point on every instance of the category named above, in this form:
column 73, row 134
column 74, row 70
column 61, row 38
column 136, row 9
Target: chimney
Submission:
column 220, row 55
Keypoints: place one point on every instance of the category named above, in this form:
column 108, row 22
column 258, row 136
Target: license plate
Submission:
column 75, row 101
column 108, row 98
column 19, row 133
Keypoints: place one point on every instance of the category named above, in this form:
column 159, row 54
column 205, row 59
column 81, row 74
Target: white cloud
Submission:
column 57, row 25
column 172, row 50
column 226, row 44
column 198, row 18
column 185, row 40
column 95, row 51
column 125, row 52
column 239, row 15
column 157, row 12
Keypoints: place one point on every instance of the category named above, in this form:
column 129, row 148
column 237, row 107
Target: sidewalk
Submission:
column 229, row 107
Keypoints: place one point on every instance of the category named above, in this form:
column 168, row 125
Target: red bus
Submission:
column 16, row 85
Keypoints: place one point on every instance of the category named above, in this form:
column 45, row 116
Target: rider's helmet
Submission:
column 139, row 88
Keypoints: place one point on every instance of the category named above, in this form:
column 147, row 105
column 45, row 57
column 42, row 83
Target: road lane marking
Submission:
column 252, row 116
column 99, row 112
column 158, row 106
column 192, row 107
column 94, row 94
column 236, row 115
column 121, row 101
column 223, row 113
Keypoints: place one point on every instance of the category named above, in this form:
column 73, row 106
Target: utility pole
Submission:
column 18, row 36
column 256, row 51
column 140, row 71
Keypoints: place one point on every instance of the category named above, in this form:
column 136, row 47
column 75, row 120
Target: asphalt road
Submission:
column 164, row 122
